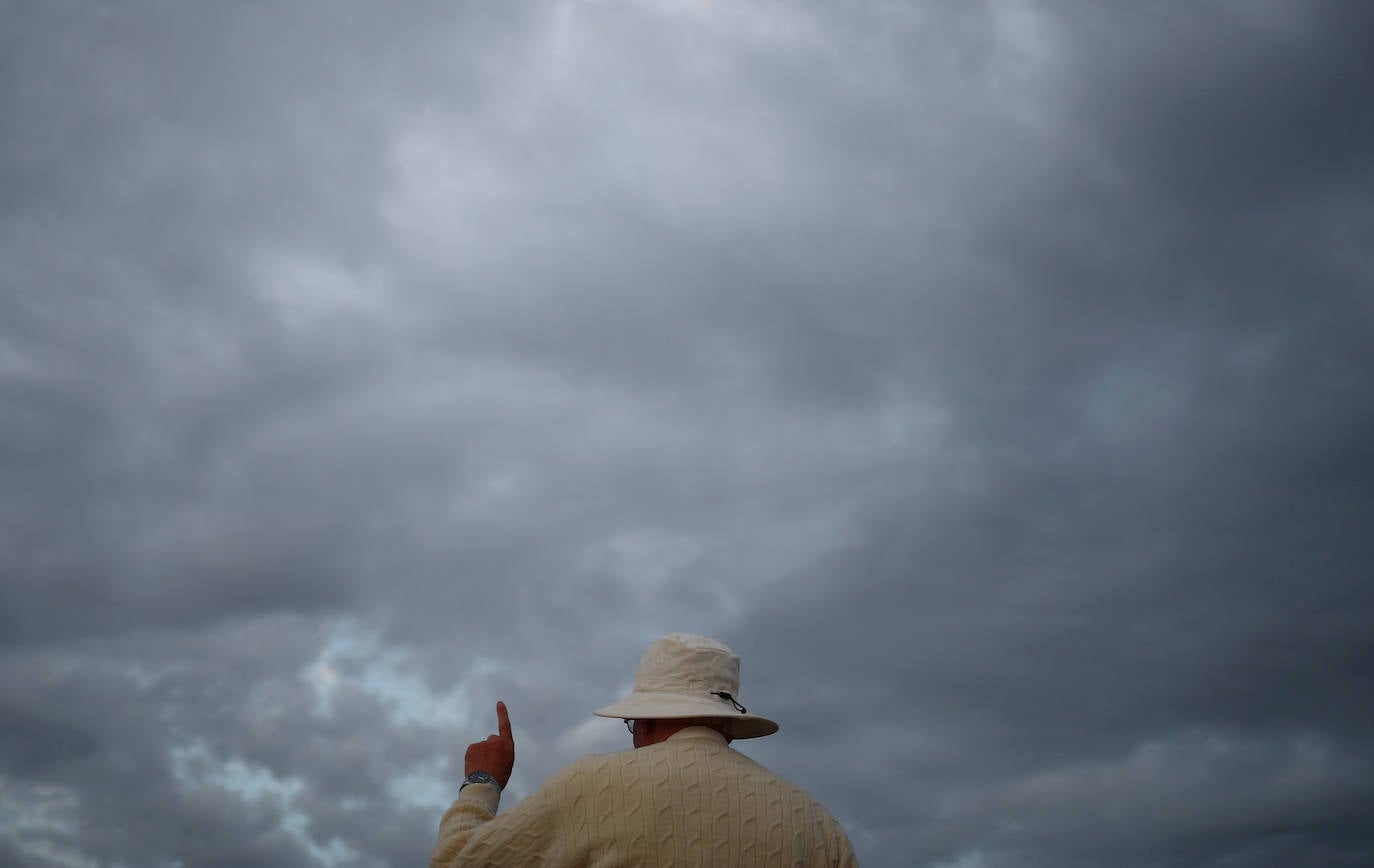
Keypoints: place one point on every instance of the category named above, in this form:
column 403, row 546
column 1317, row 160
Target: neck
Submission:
column 649, row 732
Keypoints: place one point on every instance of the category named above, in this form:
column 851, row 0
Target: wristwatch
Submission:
column 478, row 777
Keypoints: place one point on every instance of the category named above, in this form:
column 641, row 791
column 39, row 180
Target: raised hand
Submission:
column 495, row 753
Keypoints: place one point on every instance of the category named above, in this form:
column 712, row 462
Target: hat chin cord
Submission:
column 730, row 699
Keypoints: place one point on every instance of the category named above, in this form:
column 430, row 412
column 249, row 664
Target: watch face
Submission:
column 481, row 778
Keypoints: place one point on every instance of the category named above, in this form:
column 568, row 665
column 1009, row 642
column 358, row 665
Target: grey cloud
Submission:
column 992, row 379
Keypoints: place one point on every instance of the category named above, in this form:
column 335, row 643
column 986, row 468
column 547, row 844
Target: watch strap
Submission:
column 478, row 777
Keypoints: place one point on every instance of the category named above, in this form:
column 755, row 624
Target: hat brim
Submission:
column 673, row 706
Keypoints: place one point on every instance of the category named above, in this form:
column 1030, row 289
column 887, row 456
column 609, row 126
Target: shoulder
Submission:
column 766, row 778
column 589, row 787
column 590, row 768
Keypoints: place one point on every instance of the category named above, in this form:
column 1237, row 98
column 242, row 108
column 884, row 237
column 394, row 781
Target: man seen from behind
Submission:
column 681, row 796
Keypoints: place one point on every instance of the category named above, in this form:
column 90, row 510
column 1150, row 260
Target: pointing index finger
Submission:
column 503, row 721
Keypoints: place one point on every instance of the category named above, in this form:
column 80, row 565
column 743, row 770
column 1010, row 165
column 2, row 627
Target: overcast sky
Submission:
column 996, row 378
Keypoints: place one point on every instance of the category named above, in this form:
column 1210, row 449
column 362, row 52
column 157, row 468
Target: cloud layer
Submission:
column 995, row 379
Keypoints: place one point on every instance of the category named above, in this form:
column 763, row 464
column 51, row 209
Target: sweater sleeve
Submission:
column 470, row 833
column 844, row 853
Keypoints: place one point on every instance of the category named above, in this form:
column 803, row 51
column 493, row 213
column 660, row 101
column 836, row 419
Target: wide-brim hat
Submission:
column 685, row 675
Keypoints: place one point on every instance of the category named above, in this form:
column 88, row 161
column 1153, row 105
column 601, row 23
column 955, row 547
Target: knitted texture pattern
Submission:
column 688, row 801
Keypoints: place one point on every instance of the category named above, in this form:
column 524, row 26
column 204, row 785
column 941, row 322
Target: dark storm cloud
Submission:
column 171, row 149
column 1147, row 557
column 993, row 379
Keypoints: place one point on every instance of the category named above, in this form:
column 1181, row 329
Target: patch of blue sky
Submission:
column 355, row 658
column 40, row 820
column 427, row 786
column 195, row 766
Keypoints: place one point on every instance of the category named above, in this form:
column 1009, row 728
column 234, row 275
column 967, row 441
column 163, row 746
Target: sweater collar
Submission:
column 697, row 733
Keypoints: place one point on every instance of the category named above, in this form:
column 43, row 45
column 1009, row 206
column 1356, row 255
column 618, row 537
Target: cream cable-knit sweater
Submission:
column 690, row 800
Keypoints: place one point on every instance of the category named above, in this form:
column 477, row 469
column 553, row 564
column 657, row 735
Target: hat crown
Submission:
column 687, row 664
column 683, row 676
